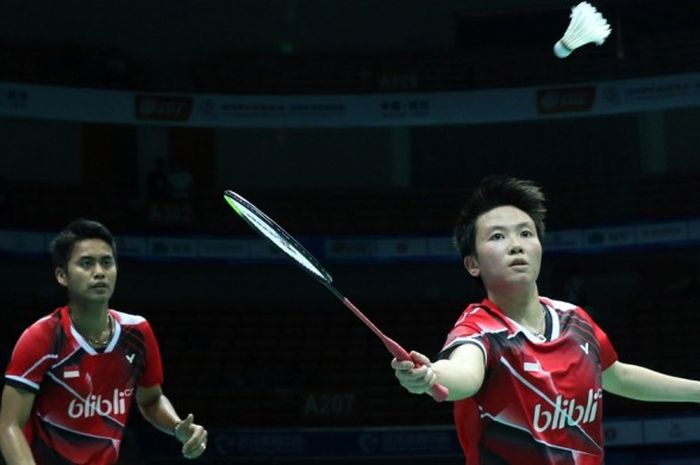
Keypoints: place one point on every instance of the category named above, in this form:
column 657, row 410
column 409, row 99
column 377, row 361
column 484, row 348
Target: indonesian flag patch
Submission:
column 71, row 371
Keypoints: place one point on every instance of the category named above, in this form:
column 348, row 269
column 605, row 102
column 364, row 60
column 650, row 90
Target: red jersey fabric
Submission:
column 83, row 395
column 541, row 400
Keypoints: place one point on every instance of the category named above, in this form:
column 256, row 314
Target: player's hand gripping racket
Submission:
column 278, row 236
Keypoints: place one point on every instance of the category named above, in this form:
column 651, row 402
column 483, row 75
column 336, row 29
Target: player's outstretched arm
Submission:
column 14, row 413
column 462, row 374
column 157, row 409
column 641, row 383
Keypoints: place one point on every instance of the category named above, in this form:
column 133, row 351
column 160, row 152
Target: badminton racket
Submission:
column 274, row 233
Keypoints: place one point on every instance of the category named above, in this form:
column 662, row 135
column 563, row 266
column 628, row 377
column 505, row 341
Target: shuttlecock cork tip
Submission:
column 561, row 50
column 587, row 26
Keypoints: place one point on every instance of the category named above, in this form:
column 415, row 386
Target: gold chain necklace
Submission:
column 96, row 342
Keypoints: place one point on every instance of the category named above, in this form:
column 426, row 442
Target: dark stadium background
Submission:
column 260, row 348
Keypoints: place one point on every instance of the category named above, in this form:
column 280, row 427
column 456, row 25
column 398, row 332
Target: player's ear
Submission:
column 471, row 264
column 61, row 276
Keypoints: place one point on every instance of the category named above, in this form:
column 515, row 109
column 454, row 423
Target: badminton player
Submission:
column 74, row 374
column 526, row 373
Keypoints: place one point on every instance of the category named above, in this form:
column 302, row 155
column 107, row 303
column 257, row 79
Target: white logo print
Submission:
column 97, row 405
column 584, row 347
column 130, row 358
column 567, row 413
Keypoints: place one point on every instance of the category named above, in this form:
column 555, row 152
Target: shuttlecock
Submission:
column 587, row 26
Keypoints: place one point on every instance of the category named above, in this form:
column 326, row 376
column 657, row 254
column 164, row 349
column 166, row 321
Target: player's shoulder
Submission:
column 129, row 319
column 47, row 324
column 565, row 308
column 560, row 305
column 42, row 334
column 478, row 315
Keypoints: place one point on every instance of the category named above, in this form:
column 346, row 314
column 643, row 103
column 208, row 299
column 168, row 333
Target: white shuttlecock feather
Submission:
column 587, row 26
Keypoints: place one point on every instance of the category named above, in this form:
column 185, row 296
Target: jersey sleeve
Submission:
column 31, row 358
column 153, row 371
column 608, row 354
column 466, row 331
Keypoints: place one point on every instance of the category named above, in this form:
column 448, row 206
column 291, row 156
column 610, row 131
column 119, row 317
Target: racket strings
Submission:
column 268, row 228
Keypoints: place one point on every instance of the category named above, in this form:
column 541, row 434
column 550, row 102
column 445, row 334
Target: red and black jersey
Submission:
column 541, row 399
column 83, row 395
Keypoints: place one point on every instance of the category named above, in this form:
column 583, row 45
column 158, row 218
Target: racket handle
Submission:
column 437, row 391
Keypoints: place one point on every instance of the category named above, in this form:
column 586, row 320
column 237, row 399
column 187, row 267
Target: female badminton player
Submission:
column 526, row 373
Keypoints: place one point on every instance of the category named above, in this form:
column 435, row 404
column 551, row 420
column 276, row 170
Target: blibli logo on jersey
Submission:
column 98, row 405
column 567, row 413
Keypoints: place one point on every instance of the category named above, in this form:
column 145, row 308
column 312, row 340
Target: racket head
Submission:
column 267, row 228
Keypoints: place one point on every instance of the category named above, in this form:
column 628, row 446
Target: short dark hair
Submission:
column 497, row 191
column 62, row 245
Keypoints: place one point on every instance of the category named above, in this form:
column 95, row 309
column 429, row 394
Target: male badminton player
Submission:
column 73, row 374
column 526, row 373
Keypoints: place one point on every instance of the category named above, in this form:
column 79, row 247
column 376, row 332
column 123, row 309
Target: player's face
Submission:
column 91, row 271
column 508, row 251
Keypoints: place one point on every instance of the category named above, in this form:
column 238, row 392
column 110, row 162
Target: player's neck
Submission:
column 89, row 319
column 523, row 307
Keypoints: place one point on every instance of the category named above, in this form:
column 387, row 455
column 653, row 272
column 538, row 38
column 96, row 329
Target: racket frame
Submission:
column 240, row 205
